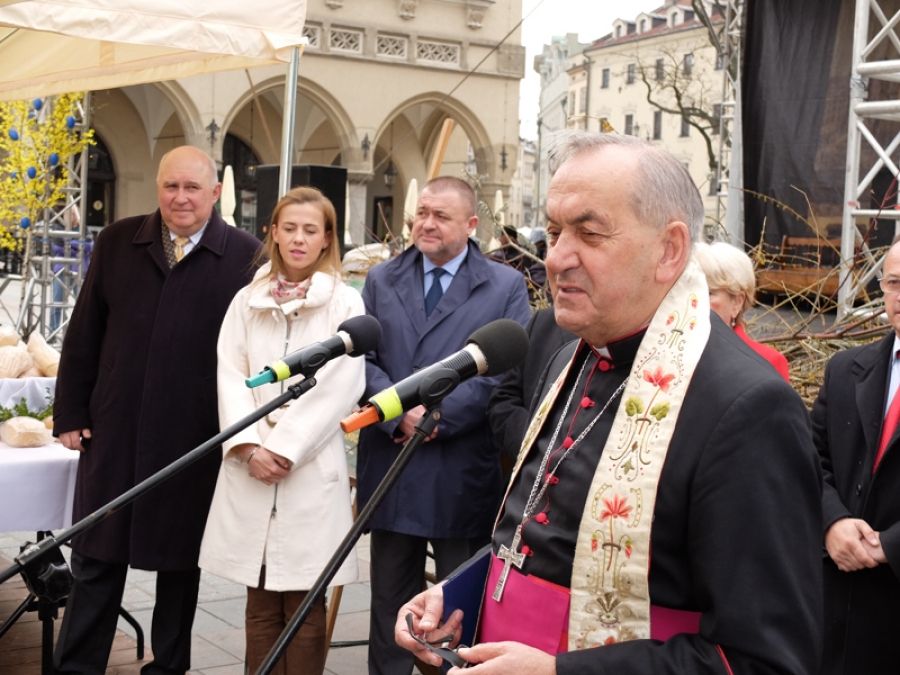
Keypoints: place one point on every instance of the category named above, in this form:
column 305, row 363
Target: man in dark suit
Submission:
column 429, row 300
column 136, row 391
column 854, row 425
column 660, row 425
column 510, row 404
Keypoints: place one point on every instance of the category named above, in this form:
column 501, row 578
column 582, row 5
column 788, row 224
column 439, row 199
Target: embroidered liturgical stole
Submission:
column 610, row 598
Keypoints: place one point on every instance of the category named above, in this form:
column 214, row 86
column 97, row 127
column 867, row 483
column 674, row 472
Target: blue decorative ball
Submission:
column 70, row 122
column 25, row 223
column 13, row 134
column 14, row 175
column 38, row 103
column 32, row 172
column 54, row 159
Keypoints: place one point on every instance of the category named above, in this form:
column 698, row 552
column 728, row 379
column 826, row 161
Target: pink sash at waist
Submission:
column 536, row 613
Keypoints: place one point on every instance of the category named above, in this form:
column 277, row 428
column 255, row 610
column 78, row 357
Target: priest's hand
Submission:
column 494, row 658
column 853, row 545
column 426, row 609
column 72, row 439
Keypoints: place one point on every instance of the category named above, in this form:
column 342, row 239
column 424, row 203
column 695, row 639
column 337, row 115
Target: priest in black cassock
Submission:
column 659, row 429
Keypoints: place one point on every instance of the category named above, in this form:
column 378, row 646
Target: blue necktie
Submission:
column 435, row 292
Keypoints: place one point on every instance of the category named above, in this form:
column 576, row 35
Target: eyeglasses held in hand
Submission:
column 449, row 655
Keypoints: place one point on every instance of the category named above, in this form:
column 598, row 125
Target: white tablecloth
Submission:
column 33, row 389
column 37, row 486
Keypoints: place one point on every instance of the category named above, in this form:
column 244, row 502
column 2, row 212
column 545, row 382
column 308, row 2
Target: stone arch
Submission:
column 184, row 105
column 462, row 115
column 336, row 114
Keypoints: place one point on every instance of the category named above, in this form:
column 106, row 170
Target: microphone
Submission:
column 492, row 349
column 356, row 336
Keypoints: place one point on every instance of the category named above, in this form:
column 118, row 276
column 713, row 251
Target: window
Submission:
column 604, row 79
column 713, row 186
column 311, row 33
column 572, row 104
column 720, row 61
column 629, row 76
column 582, row 100
column 629, row 125
column 618, row 31
column 437, row 52
column 717, row 117
column 657, row 125
column 605, row 126
column 643, row 25
column 391, row 46
column 685, row 127
column 688, row 64
column 345, row 40
column 660, row 69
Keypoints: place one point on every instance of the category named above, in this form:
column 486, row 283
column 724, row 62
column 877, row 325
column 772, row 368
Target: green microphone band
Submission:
column 281, row 370
column 388, row 403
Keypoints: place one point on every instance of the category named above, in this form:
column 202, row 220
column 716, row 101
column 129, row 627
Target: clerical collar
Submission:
column 619, row 352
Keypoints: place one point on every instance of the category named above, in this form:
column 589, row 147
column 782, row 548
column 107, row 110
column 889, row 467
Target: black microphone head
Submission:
column 504, row 344
column 364, row 332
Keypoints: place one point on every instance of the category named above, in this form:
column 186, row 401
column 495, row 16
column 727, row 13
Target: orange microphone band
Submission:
column 363, row 417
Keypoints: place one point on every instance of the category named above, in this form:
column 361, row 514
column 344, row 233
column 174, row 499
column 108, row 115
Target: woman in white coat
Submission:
column 282, row 501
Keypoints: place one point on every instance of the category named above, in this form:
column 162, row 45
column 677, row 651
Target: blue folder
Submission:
column 464, row 589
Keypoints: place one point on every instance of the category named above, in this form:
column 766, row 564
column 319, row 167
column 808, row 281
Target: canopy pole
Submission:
column 287, row 129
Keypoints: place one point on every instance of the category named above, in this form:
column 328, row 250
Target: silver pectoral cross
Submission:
column 509, row 556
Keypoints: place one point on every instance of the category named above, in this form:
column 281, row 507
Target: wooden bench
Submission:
column 804, row 266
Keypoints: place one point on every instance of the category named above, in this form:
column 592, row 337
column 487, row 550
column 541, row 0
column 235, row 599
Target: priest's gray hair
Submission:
column 663, row 189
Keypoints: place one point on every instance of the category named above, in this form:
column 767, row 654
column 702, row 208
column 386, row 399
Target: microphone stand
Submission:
column 424, row 429
column 43, row 571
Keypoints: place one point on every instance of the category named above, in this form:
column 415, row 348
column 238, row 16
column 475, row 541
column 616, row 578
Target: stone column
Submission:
column 357, row 185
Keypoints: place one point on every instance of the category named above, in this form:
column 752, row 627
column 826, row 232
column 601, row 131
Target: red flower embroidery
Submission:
column 694, row 301
column 593, row 544
column 658, row 379
column 610, row 640
column 628, row 551
column 670, row 319
column 615, row 508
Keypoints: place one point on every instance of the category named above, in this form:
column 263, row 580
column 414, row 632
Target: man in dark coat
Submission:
column 452, row 486
column 659, row 426
column 510, row 403
column 855, row 433
column 136, row 391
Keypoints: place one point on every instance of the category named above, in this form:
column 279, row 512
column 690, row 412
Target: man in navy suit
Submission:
column 856, row 434
column 451, row 489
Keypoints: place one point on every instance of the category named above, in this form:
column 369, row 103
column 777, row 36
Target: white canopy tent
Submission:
column 55, row 46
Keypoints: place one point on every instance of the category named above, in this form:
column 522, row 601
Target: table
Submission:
column 37, row 486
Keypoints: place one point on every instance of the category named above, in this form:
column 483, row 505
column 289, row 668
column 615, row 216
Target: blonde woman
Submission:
column 732, row 291
column 282, row 501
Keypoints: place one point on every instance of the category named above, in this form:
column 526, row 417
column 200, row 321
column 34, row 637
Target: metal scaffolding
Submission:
column 729, row 178
column 865, row 67
column 53, row 266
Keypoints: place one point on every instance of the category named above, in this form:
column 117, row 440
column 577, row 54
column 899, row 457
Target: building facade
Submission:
column 659, row 77
column 521, row 191
column 552, row 65
column 377, row 80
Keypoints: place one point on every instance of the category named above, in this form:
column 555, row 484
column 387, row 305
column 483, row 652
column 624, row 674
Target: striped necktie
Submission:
column 179, row 243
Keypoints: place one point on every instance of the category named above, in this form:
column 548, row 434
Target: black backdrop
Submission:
column 796, row 96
